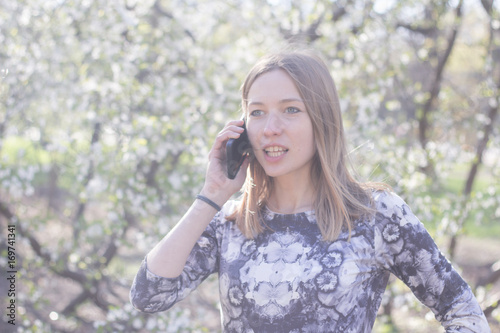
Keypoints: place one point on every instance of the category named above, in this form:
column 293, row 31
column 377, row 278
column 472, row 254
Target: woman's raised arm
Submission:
column 168, row 257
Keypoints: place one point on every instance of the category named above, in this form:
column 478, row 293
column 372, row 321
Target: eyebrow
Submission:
column 283, row 101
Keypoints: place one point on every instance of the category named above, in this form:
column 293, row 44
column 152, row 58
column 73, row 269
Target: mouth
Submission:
column 275, row 151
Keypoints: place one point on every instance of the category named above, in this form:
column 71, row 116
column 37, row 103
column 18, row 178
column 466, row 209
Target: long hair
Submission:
column 340, row 199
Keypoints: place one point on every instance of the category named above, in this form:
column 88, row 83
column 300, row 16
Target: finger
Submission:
column 235, row 125
column 232, row 132
column 238, row 122
column 232, row 128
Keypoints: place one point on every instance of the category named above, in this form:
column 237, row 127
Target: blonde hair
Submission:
column 340, row 199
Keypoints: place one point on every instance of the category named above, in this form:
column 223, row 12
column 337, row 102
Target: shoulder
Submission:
column 386, row 200
column 390, row 206
column 229, row 208
column 222, row 219
column 399, row 237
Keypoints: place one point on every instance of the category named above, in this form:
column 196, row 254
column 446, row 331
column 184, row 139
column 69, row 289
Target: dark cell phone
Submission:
column 236, row 150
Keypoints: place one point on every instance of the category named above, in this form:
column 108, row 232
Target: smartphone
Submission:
column 236, row 150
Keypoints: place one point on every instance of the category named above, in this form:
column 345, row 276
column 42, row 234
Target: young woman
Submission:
column 306, row 248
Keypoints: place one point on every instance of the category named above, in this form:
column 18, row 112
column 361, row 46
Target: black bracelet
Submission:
column 208, row 201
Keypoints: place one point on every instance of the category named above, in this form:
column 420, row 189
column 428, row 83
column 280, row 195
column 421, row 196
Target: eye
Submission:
column 256, row 113
column 292, row 110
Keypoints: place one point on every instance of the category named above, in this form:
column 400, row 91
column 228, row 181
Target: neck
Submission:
column 291, row 195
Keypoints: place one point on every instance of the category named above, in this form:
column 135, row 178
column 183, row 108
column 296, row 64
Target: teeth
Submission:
column 275, row 151
column 271, row 149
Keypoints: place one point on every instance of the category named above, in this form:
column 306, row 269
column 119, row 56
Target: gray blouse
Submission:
column 289, row 280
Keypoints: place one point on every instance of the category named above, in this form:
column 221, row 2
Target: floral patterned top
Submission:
column 290, row 280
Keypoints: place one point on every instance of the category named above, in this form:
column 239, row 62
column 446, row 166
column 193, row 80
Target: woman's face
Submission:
column 279, row 127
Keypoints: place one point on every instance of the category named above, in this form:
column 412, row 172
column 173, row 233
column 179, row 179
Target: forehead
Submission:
column 275, row 83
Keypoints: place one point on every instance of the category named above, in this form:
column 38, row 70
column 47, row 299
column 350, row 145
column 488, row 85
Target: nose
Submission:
column 273, row 125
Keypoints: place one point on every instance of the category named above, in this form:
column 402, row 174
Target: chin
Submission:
column 274, row 173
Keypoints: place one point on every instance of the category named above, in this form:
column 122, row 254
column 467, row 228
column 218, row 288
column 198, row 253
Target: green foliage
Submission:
column 108, row 111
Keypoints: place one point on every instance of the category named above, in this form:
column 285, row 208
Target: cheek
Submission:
column 307, row 139
column 313, row 142
column 309, row 146
column 252, row 132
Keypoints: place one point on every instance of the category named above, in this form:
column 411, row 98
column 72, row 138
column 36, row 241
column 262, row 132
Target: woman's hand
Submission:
column 218, row 187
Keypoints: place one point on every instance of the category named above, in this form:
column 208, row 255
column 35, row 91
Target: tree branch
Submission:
column 34, row 243
column 488, row 6
column 309, row 35
column 88, row 177
column 108, row 254
column 160, row 10
column 426, row 31
column 489, row 310
column 492, row 277
column 338, row 12
column 483, row 142
column 480, row 149
column 436, row 84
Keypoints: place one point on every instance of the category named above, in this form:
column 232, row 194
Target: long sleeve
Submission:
column 152, row 293
column 406, row 249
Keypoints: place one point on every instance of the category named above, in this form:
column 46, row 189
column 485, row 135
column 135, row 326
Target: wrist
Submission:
column 216, row 197
column 209, row 202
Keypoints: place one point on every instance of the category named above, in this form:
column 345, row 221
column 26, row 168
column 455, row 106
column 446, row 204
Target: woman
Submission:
column 307, row 248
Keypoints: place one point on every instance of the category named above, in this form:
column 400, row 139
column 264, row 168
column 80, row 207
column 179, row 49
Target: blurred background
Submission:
column 109, row 108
